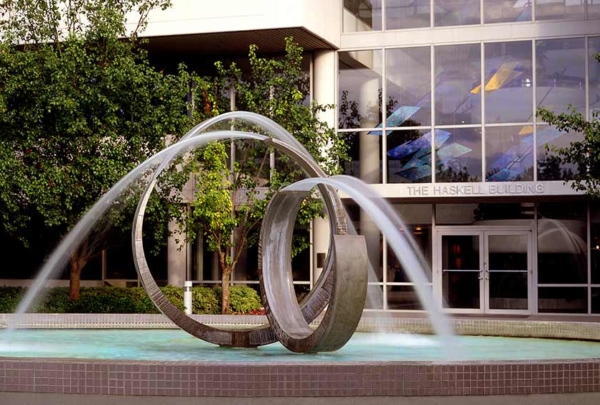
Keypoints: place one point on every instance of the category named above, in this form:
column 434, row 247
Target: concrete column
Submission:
column 176, row 257
column 324, row 75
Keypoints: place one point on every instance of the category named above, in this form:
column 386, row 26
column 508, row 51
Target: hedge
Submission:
column 117, row 300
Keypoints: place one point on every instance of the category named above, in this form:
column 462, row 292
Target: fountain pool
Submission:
column 178, row 346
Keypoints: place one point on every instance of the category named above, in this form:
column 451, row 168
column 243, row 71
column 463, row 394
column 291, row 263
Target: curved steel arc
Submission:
column 253, row 337
column 390, row 224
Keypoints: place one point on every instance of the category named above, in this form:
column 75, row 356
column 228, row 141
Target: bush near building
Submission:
column 115, row 300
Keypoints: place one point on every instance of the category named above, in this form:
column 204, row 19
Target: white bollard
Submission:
column 187, row 297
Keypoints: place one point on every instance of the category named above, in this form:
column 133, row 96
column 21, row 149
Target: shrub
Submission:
column 243, row 299
column 102, row 300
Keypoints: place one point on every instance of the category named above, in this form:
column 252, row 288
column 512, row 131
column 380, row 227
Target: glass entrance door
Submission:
column 485, row 270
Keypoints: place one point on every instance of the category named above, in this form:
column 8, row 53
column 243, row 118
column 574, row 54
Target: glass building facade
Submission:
column 438, row 101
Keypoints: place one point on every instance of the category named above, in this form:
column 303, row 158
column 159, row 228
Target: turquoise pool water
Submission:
column 175, row 345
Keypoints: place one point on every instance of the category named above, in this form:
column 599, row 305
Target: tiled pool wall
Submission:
column 297, row 380
column 199, row 379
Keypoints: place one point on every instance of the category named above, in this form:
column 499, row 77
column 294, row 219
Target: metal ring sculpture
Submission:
column 289, row 321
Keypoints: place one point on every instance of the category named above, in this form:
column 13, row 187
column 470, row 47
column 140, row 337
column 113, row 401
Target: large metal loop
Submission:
column 312, row 306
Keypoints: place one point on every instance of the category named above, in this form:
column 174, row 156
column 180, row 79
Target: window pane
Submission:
column 403, row 297
column 360, row 89
column 562, row 246
column 560, row 67
column 566, row 300
column 594, row 71
column 550, row 165
column 509, row 153
column 559, row 9
column 418, row 220
column 508, row 82
column 593, row 9
column 457, row 78
column 487, row 214
column 595, row 242
column 497, row 11
column 595, row 300
column 409, row 87
column 362, row 15
column 456, row 12
column 458, row 158
column 401, row 14
column 409, row 156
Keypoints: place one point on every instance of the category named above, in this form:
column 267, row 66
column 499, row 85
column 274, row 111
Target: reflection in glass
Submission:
column 374, row 297
column 409, row 86
column 409, row 156
column 509, row 153
column 498, row 11
column 362, row 15
column 595, row 300
column 593, row 9
column 403, row 297
column 458, row 157
column 457, row 80
column 551, row 166
column 508, row 266
column 488, row 214
column 401, row 14
column 418, row 220
column 595, row 242
column 360, row 89
column 594, row 70
column 461, row 271
column 508, row 82
column 562, row 246
column 560, row 67
column 559, row 9
column 564, row 300
column 456, row 12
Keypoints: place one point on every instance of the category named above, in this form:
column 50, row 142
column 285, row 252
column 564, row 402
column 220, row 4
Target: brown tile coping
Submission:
column 297, row 380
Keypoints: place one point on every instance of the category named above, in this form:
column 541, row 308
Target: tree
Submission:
column 230, row 204
column 585, row 153
column 80, row 106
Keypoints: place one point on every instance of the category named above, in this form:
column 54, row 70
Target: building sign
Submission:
column 478, row 189
column 489, row 189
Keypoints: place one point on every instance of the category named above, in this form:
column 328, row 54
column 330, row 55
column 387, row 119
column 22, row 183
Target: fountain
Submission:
column 324, row 322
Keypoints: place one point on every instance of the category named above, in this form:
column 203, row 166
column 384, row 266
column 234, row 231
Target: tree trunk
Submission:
column 77, row 261
column 225, row 296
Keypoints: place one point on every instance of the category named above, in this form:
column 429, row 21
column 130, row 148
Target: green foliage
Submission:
column 585, row 153
column 104, row 300
column 243, row 299
column 80, row 106
column 231, row 198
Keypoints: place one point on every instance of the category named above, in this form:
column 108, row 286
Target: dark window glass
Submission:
column 403, row 297
column 568, row 300
column 562, row 246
